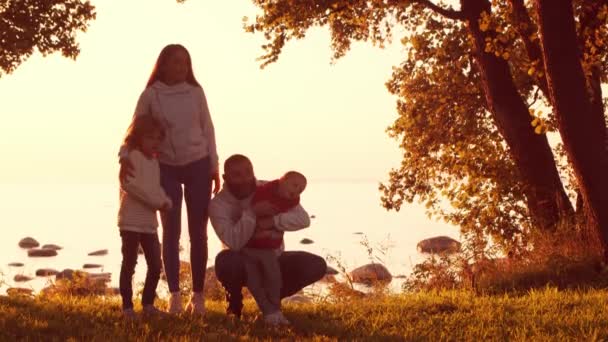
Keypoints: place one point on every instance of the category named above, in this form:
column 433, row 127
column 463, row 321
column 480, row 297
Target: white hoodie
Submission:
column 183, row 110
column 141, row 196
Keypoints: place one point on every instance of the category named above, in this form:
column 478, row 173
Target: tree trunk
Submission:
column 576, row 111
column 544, row 191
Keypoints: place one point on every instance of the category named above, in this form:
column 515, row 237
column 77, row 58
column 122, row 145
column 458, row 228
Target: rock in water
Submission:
column 306, row 241
column 46, row 272
column 371, row 273
column 52, row 246
column 20, row 278
column 91, row 266
column 99, row 252
column 16, row 264
column 28, row 242
column 438, row 244
column 41, row 252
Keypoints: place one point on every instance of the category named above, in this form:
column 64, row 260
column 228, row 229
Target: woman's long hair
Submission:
column 141, row 125
column 161, row 61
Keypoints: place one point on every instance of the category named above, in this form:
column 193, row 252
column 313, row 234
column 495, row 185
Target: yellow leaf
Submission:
column 534, row 122
column 531, row 71
column 538, row 129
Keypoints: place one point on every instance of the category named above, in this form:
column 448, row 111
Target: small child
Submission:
column 261, row 260
column 140, row 197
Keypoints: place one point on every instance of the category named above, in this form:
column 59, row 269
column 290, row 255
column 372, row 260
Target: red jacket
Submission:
column 270, row 192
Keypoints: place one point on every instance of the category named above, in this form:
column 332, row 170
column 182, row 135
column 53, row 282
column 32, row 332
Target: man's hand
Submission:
column 265, row 223
column 126, row 170
column 264, row 208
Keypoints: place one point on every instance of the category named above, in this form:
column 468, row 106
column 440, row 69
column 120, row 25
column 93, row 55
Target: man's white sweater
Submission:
column 141, row 195
column 234, row 222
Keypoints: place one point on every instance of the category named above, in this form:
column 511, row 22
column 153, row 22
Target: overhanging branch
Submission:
column 446, row 12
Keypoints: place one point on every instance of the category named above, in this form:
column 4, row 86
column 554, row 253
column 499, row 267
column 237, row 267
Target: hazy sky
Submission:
column 63, row 120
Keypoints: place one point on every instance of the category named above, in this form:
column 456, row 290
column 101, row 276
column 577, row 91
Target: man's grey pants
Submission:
column 264, row 278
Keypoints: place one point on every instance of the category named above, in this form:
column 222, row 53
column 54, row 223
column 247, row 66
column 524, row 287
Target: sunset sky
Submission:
column 63, row 120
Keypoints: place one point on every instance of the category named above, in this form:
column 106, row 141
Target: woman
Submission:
column 188, row 157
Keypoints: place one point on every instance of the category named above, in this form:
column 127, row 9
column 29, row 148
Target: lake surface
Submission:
column 82, row 218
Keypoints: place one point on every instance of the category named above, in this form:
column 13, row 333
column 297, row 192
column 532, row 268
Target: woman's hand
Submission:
column 215, row 179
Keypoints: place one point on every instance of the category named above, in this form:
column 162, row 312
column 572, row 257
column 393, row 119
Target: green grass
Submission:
column 546, row 314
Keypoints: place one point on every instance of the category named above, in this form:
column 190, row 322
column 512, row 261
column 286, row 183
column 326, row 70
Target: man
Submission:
column 234, row 221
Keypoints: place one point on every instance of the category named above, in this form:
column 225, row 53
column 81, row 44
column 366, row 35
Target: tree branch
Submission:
column 446, row 12
column 525, row 27
column 535, row 97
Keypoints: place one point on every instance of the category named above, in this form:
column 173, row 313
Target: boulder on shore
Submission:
column 371, row 273
column 438, row 244
column 298, row 299
column 67, row 274
column 213, row 288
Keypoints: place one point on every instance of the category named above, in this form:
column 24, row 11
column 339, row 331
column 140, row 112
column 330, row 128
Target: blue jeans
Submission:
column 298, row 270
column 130, row 243
column 196, row 179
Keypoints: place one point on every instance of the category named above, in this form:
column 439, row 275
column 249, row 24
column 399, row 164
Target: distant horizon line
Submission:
column 58, row 182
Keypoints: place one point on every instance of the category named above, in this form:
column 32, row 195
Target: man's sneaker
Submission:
column 276, row 319
column 197, row 304
column 151, row 311
column 175, row 303
column 128, row 314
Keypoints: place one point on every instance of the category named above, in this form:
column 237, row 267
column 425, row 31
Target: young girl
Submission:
column 140, row 197
column 188, row 157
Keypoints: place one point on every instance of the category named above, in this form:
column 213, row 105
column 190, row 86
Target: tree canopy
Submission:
column 475, row 101
column 47, row 26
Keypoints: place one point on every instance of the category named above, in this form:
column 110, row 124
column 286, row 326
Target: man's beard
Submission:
column 242, row 191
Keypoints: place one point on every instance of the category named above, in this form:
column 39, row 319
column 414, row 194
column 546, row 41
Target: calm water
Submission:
column 82, row 218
